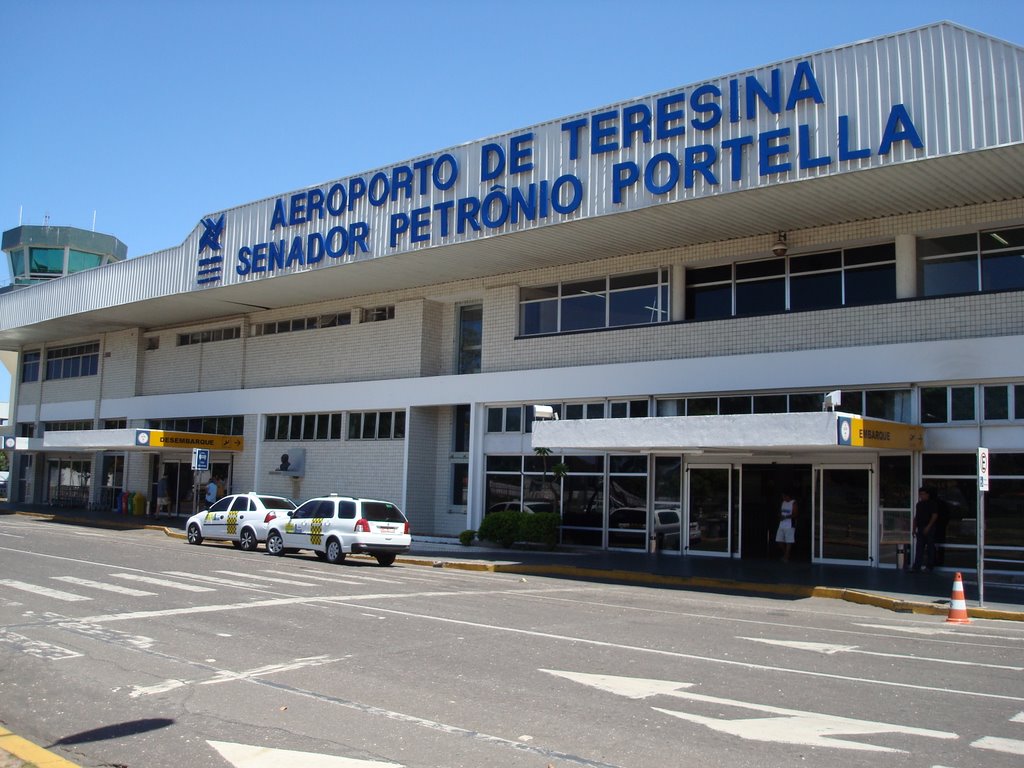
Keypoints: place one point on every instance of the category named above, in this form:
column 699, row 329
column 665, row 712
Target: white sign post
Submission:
column 201, row 459
column 982, row 487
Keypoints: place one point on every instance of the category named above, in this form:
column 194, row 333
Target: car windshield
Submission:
column 276, row 502
column 382, row 512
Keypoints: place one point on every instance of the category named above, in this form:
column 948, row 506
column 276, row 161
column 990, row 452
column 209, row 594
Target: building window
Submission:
column 470, row 338
column 984, row 261
column 206, row 337
column 30, row 366
column 152, row 343
column 628, row 409
column 302, row 324
column 584, row 410
column 73, row 362
column 208, row 425
column 605, row 302
column 377, row 314
column 889, row 404
column 376, row 425
column 115, row 423
column 303, row 426
column 940, row 405
column 814, row 281
column 46, row 262
column 79, row 260
column 79, row 425
column 503, row 419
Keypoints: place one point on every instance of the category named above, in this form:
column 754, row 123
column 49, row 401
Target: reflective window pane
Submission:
column 941, row 277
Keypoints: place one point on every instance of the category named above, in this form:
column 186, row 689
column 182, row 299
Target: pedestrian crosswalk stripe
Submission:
column 56, row 594
column 162, row 582
column 324, row 578
column 216, row 580
column 105, row 587
column 267, row 578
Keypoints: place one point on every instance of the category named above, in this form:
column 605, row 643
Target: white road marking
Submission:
column 162, row 582
column 319, row 578
column 103, row 634
column 680, row 655
column 1018, row 718
column 56, row 594
column 246, row 756
column 226, row 676
column 106, row 587
column 941, row 629
column 36, row 648
column 12, row 535
column 830, row 649
column 215, row 580
column 791, row 726
column 267, row 578
column 150, row 690
column 996, row 744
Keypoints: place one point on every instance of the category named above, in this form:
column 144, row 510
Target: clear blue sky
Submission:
column 150, row 115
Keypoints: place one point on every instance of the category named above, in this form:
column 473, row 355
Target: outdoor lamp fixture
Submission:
column 544, row 413
column 781, row 248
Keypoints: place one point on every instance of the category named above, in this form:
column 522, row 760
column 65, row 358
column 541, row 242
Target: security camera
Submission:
column 781, row 248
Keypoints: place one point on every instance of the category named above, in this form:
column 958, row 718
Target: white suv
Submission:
column 333, row 526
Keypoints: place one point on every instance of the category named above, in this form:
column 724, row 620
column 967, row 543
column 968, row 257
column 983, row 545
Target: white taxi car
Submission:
column 334, row 526
column 241, row 518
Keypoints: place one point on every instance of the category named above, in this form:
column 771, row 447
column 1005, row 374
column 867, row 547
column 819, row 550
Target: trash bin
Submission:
column 901, row 556
column 652, row 544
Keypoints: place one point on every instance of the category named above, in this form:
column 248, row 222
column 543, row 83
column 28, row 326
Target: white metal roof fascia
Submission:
column 771, row 431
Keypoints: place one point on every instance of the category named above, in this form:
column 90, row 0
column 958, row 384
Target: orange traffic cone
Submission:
column 958, row 604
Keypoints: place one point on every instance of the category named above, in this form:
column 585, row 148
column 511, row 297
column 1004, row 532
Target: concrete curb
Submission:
column 23, row 749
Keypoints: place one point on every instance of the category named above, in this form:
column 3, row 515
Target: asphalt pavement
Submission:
column 886, row 588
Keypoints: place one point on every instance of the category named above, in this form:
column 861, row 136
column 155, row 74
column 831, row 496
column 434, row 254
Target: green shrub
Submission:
column 509, row 526
column 466, row 537
column 541, row 528
column 501, row 527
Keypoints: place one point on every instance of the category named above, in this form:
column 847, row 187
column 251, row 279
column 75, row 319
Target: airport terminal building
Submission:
column 807, row 277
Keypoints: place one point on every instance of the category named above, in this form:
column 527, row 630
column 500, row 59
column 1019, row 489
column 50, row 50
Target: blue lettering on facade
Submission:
column 510, row 195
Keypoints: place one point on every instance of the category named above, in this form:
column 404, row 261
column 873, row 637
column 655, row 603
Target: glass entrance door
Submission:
column 712, row 510
column 843, row 513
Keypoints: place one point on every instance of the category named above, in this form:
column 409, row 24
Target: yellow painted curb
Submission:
column 31, row 753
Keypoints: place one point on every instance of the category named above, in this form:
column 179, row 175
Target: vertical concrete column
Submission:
column 906, row 266
column 678, row 278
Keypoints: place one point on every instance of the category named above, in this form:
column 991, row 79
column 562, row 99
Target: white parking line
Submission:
column 35, row 589
column 162, row 582
column 105, row 587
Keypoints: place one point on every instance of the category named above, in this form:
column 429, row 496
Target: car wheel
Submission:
column 236, row 544
column 247, row 541
column 195, row 536
column 320, row 555
column 385, row 560
column 275, row 544
column 334, row 554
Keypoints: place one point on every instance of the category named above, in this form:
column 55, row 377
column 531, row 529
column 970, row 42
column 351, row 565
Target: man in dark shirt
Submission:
column 926, row 518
